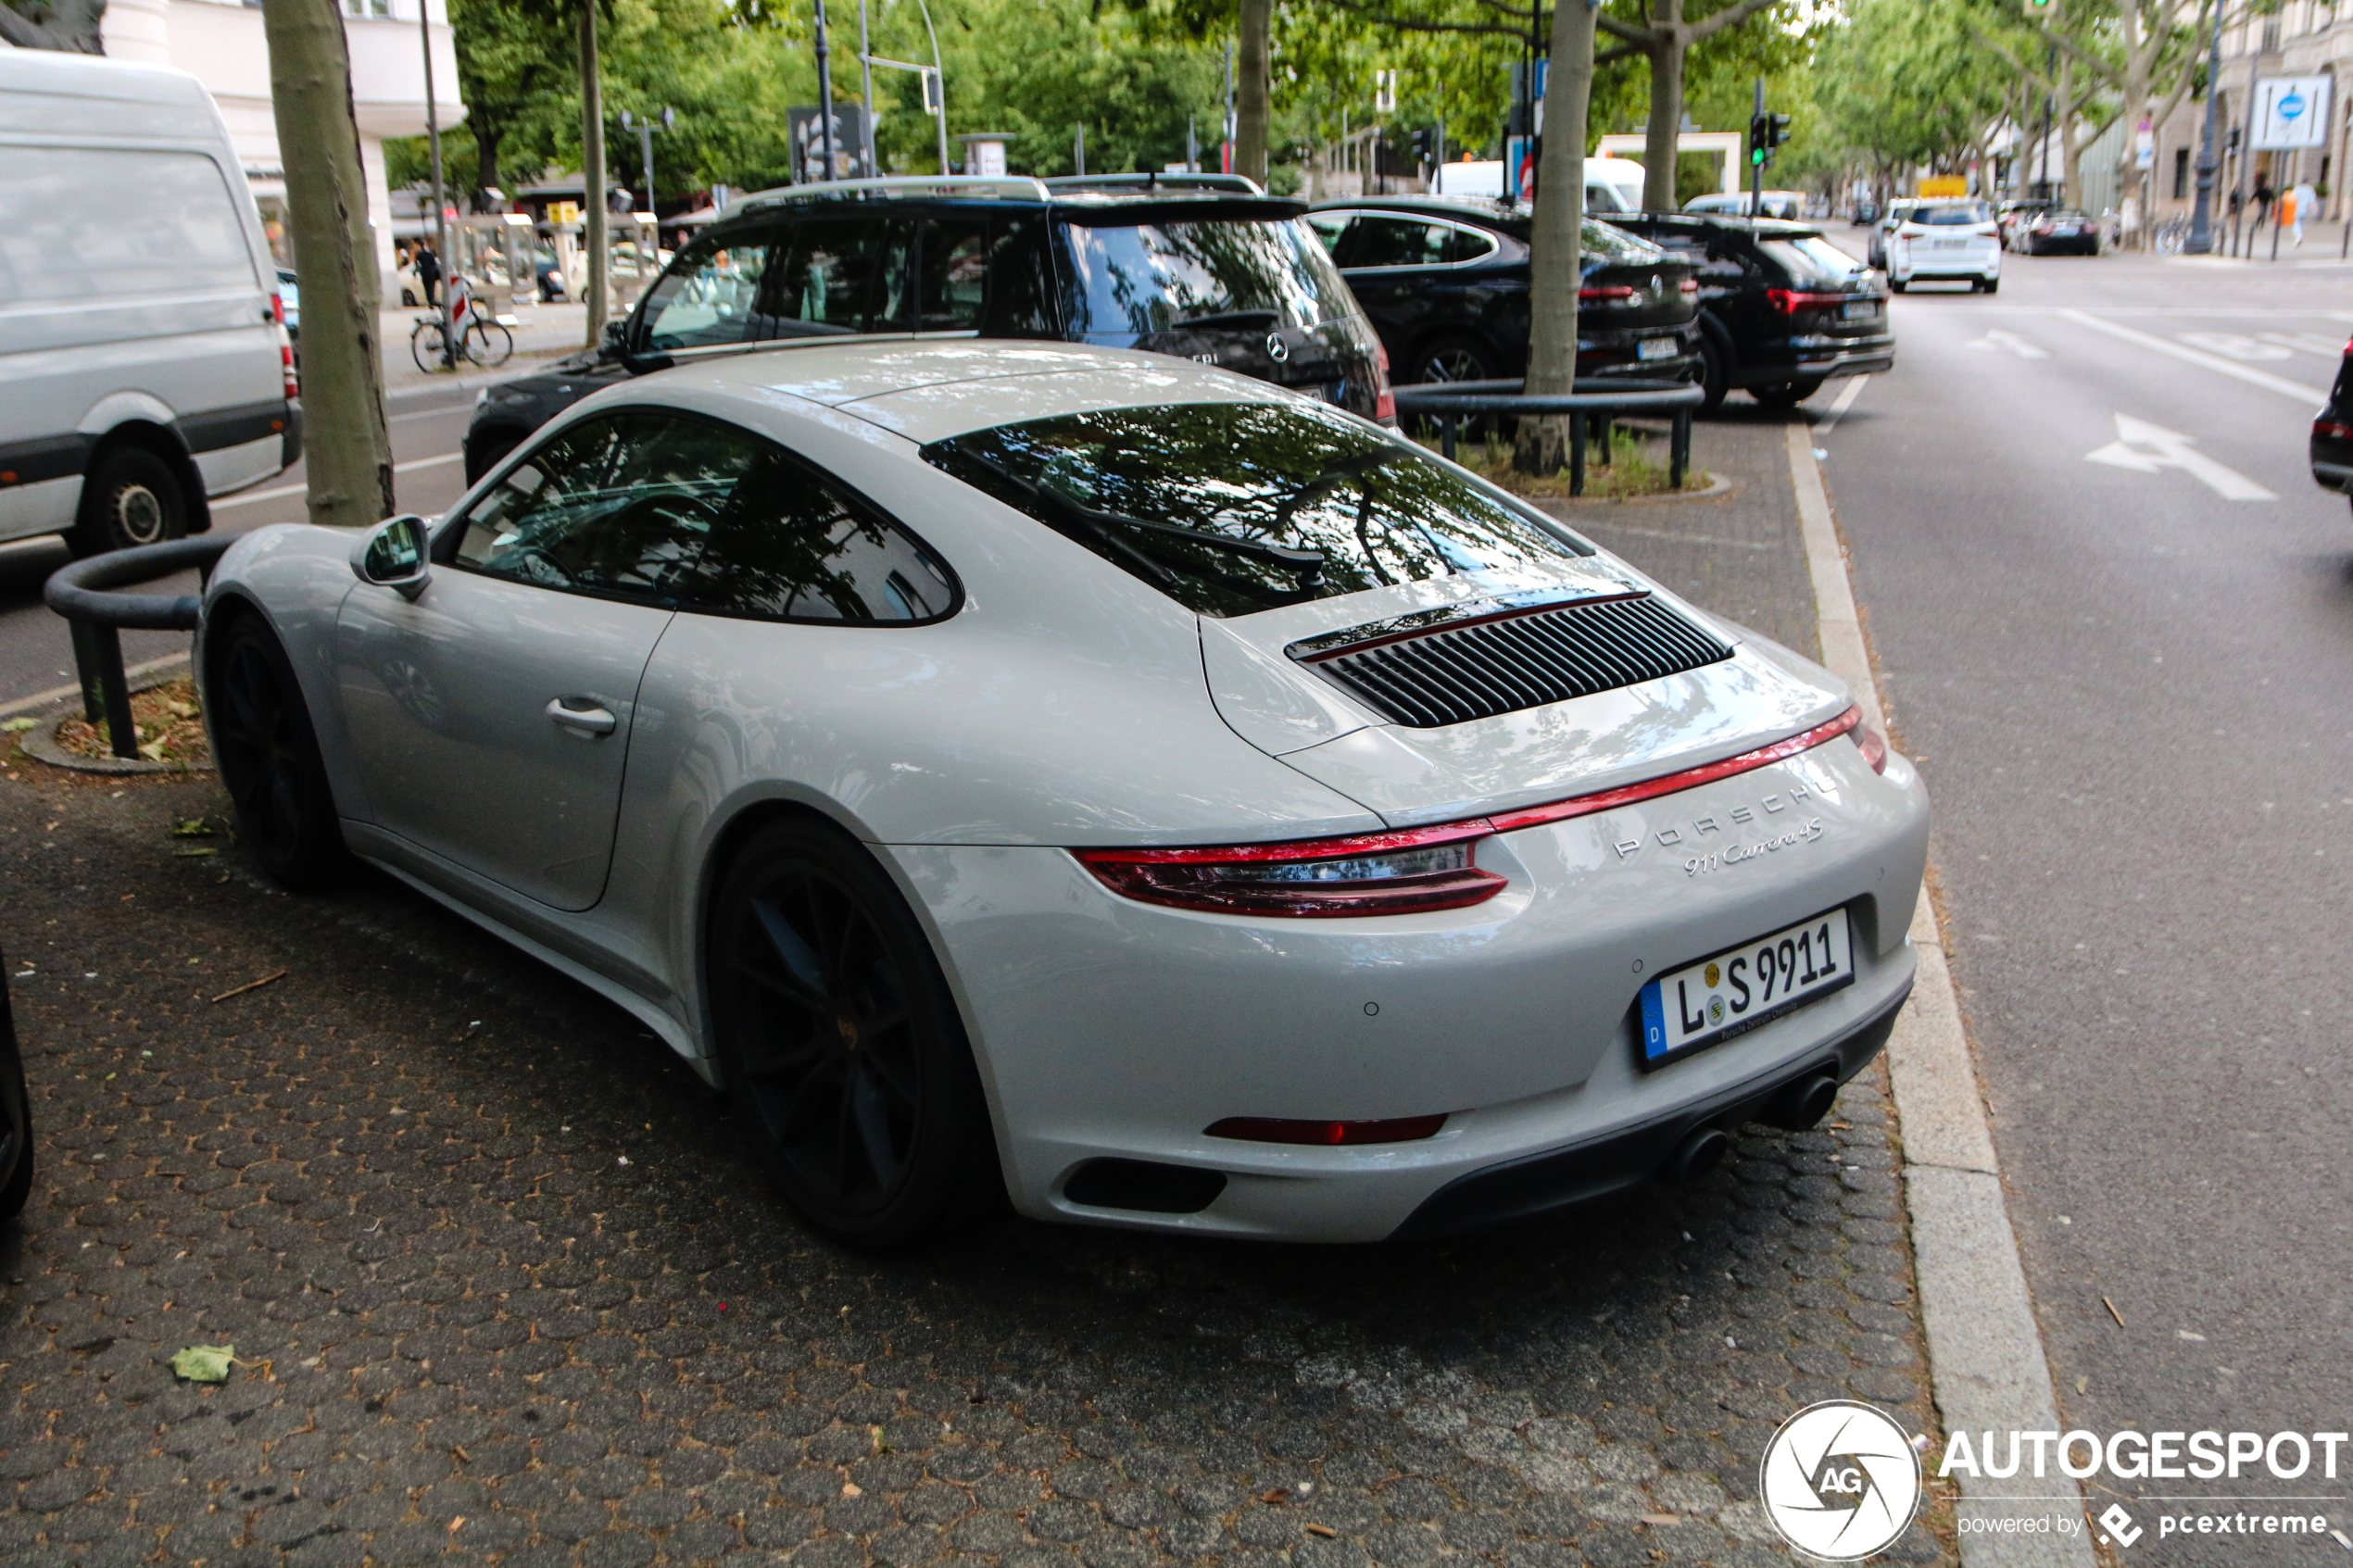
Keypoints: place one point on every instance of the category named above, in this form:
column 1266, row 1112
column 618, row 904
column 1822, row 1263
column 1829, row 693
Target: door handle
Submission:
column 588, row 721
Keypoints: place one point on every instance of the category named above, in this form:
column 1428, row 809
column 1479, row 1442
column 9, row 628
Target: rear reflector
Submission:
column 1874, row 748
column 1273, row 1129
column 1408, row 872
column 1614, row 292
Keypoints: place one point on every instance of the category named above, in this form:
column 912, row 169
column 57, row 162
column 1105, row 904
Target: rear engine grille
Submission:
column 1500, row 664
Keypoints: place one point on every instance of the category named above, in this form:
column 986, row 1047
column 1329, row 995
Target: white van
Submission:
column 1612, row 185
column 143, row 365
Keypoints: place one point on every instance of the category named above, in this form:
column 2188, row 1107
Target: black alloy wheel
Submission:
column 15, row 1118
column 269, row 757
column 1454, row 359
column 1715, row 376
column 842, row 1048
column 132, row 497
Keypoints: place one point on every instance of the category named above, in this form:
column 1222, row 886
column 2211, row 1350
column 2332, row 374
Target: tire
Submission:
column 1787, row 394
column 268, row 755
column 1897, row 286
column 841, row 1046
column 487, row 344
column 132, row 497
column 1993, row 285
column 424, row 345
column 16, row 1120
column 1715, row 376
column 408, row 297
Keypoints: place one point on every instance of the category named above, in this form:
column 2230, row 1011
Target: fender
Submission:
column 117, row 410
column 123, row 408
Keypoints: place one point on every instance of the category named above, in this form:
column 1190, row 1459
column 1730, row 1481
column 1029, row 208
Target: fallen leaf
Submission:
column 191, row 827
column 1324, row 1530
column 205, row 1363
column 1660, row 1519
column 455, row 1523
column 852, row 1490
column 1275, row 1494
column 19, row 726
column 192, row 854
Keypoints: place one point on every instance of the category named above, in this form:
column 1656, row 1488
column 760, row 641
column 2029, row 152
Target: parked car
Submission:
column 1219, row 276
column 1944, row 241
column 1781, row 309
column 2333, row 433
column 2011, row 217
column 1156, row 794
column 143, row 367
column 1865, row 213
column 16, row 1113
column 2059, row 232
column 1446, row 282
column 1887, row 224
column 1612, row 185
column 1786, row 205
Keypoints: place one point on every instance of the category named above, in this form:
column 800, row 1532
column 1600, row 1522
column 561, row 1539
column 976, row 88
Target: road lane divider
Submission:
column 1987, row 1368
column 2248, row 373
column 283, row 490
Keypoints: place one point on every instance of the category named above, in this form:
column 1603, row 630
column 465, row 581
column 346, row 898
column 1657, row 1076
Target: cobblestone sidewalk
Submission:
column 502, row 1292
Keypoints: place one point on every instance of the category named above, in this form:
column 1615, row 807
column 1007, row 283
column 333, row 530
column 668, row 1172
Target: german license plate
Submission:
column 1858, row 309
column 1706, row 1003
column 1948, row 245
column 1654, row 348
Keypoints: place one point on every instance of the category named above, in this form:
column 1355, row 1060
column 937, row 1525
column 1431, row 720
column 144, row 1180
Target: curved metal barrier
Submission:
column 1597, row 401
column 81, row 594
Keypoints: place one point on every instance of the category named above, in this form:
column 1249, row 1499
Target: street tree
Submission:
column 1902, row 83
column 1555, row 263
column 346, row 444
column 1662, row 35
column 580, row 17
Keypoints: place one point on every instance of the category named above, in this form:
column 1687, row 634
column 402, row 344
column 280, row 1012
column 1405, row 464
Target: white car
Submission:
column 1160, row 796
column 1952, row 240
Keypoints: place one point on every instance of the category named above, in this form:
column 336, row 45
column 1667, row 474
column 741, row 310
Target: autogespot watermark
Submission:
column 1840, row 1480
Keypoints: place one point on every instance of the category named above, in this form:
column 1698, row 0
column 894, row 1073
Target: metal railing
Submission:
column 82, row 593
column 1597, row 402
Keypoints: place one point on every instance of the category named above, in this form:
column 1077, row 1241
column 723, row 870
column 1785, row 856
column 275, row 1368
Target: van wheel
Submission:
column 132, row 497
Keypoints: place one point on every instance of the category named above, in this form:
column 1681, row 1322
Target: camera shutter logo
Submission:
column 1840, row 1480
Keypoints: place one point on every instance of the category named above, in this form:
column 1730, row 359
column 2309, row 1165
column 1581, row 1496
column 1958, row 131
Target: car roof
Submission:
column 1729, row 222
column 1488, row 210
column 929, row 389
column 1091, row 203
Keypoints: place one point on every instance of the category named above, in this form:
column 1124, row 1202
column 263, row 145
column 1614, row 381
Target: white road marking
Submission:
column 299, row 489
column 2310, row 342
column 1986, row 1365
column 1845, row 400
column 2012, row 342
column 2235, row 345
column 2148, row 448
column 2309, row 396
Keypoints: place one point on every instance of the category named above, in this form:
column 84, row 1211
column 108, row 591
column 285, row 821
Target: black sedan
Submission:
column 1781, row 309
column 1446, row 282
column 2059, row 232
column 2333, row 433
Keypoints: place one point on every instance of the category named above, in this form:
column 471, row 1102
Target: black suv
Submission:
column 1445, row 281
column 1781, row 309
column 1224, row 277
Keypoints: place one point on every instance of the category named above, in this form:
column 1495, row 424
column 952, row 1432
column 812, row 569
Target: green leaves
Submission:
column 205, row 1363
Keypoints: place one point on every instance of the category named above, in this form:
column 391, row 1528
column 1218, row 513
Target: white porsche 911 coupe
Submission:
column 1157, row 794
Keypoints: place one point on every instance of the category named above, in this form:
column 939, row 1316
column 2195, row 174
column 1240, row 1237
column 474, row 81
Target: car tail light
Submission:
column 1669, row 784
column 2332, row 430
column 1689, row 286
column 277, row 308
column 1790, row 301
column 1872, row 745
column 1273, row 1129
column 1407, row 871
column 286, row 365
column 1384, row 397
column 1615, row 291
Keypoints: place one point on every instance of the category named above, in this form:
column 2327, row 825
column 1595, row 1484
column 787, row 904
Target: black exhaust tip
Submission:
column 1701, row 1151
column 1803, row 1103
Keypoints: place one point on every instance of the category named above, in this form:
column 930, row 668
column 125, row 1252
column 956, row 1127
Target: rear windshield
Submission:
column 1234, row 507
column 1600, row 241
column 1811, row 256
column 1949, row 215
column 1151, row 276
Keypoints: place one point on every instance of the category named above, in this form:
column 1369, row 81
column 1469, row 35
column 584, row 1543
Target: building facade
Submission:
column 220, row 43
column 2303, row 38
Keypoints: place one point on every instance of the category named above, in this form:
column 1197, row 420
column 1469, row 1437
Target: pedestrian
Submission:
column 428, row 271
column 2264, row 197
column 2303, row 203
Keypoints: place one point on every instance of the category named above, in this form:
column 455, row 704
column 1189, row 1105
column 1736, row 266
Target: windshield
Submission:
column 1151, row 276
column 1234, row 507
column 1949, row 215
column 1599, row 241
column 1811, row 256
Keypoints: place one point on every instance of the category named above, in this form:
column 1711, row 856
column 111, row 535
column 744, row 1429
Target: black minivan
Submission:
column 1227, row 278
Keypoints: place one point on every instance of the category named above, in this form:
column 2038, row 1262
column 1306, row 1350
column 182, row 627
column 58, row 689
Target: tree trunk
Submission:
column 1251, row 89
column 1665, row 126
column 592, row 174
column 2070, row 145
column 346, row 445
column 489, row 133
column 1554, row 270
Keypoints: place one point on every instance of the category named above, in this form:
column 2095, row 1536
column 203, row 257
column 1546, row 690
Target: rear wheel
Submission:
column 132, row 497
column 487, row 344
column 842, row 1048
column 268, row 758
column 1788, row 394
column 1715, row 376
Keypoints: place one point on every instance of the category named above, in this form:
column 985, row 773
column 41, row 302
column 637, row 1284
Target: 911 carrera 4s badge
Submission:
column 1703, row 832
column 1708, row 1002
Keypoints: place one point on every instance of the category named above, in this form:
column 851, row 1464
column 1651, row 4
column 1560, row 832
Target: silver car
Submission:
column 1152, row 793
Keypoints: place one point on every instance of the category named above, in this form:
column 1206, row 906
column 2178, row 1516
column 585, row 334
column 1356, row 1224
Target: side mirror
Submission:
column 393, row 555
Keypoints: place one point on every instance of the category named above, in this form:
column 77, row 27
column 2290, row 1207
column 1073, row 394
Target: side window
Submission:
column 1469, row 244
column 1396, row 241
column 788, row 546
column 954, row 290
column 620, row 506
column 1021, row 281
column 1724, row 267
column 705, row 298
column 1328, row 227
column 829, row 281
column 895, row 298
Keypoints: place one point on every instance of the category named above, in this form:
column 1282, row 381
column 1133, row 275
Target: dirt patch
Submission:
column 1636, row 467
column 170, row 722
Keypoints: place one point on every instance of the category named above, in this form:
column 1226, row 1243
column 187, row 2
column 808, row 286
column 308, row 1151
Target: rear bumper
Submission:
column 2336, row 476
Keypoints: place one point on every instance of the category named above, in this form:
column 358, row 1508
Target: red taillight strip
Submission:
column 1613, row 291
column 1274, row 1129
column 2331, row 430
column 1689, row 778
column 1296, row 849
column 1788, row 301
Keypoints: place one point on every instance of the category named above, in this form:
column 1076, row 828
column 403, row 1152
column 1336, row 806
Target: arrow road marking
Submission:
column 2238, row 345
column 2310, row 396
column 1998, row 339
column 2148, row 448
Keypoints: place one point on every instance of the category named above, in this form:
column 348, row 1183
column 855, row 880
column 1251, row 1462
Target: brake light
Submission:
column 286, row 365
column 1668, row 784
column 1617, row 290
column 277, row 308
column 1790, row 301
column 1406, row 871
column 1689, row 286
column 1273, row 1129
column 1873, row 746
column 2332, row 430
column 1384, row 399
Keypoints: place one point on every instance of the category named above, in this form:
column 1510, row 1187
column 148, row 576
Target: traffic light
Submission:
column 1421, row 149
column 1776, row 131
column 2038, row 8
column 1759, row 149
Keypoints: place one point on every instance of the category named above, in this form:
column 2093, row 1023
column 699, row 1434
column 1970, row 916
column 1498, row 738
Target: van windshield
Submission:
column 1147, row 278
column 1233, row 508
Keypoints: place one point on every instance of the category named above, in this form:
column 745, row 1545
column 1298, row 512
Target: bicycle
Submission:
column 2173, row 235
column 482, row 339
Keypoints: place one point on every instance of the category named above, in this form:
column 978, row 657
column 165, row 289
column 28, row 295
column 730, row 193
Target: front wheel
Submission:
column 487, row 344
column 841, row 1046
column 1993, row 285
column 1897, row 286
column 425, row 346
column 268, row 758
column 1715, row 376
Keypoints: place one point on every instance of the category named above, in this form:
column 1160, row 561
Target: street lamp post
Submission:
column 2201, row 239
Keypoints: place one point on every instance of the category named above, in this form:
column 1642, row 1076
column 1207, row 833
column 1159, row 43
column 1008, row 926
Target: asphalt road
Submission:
column 35, row 655
column 2116, row 623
